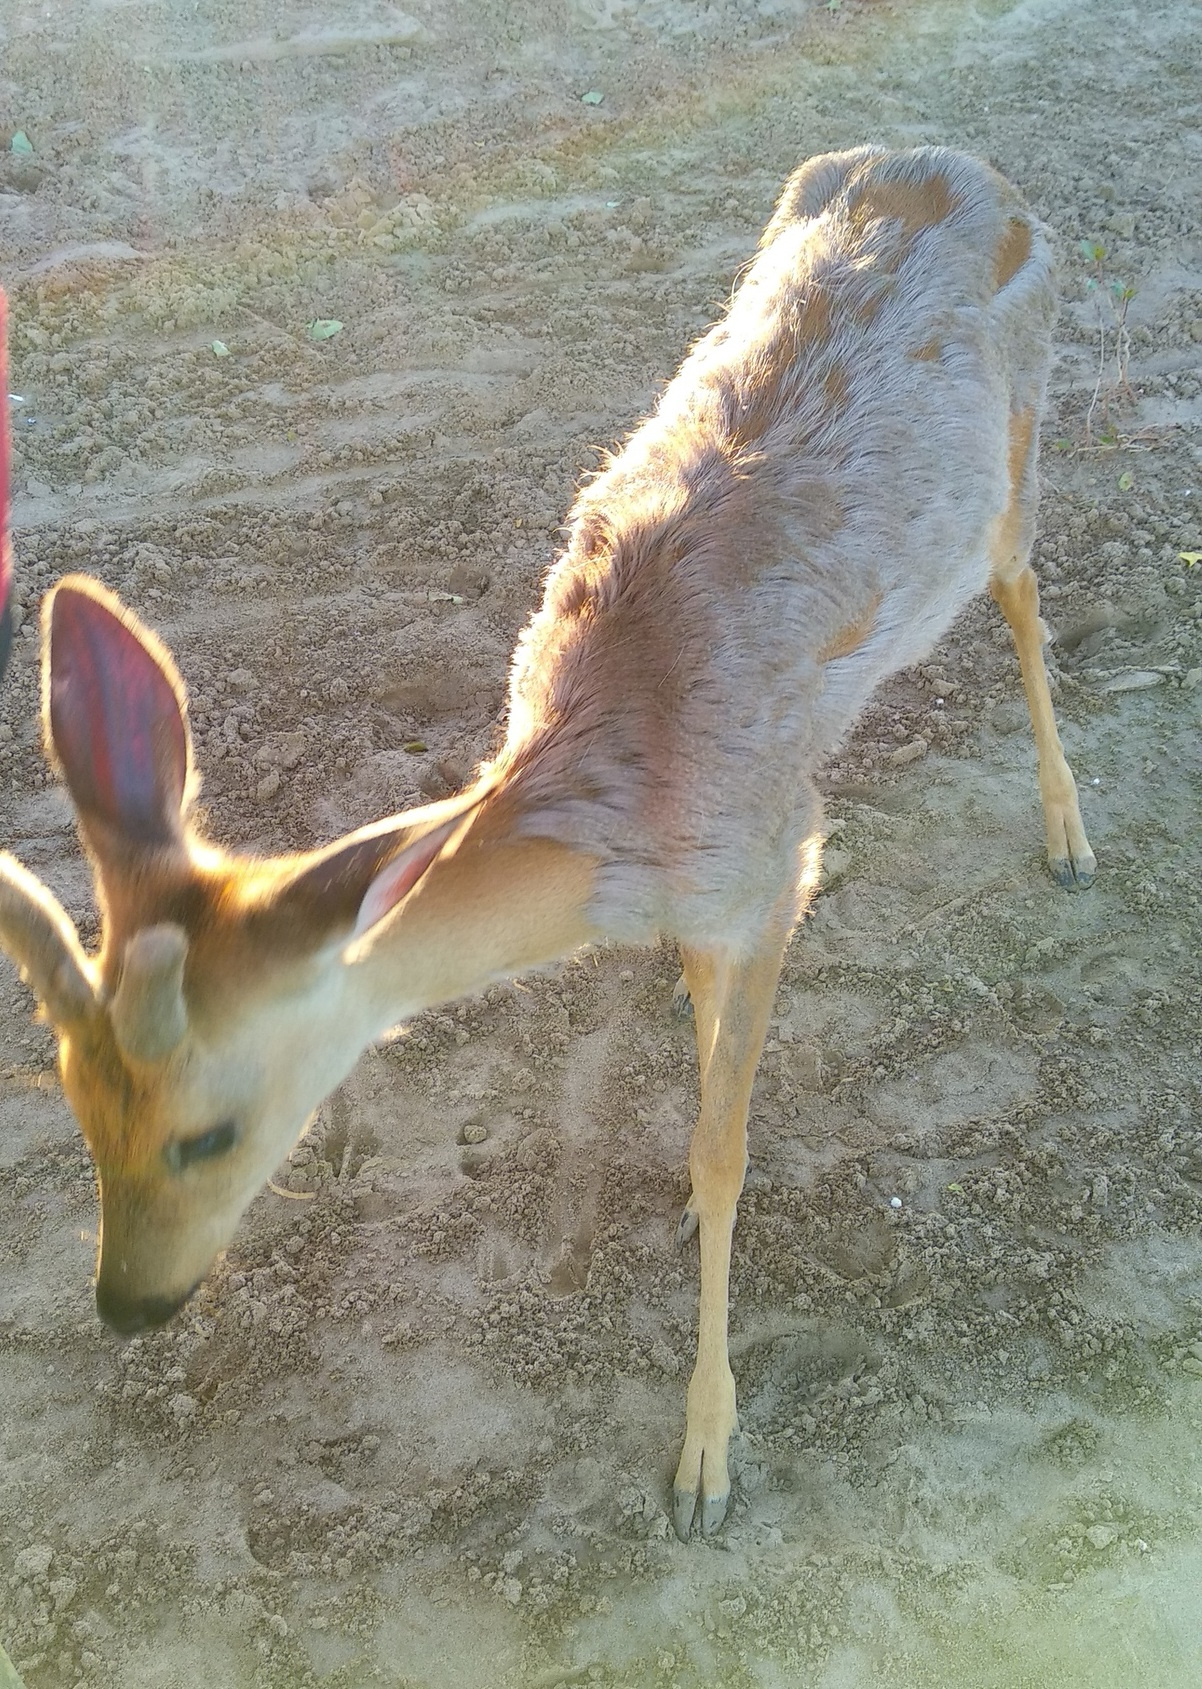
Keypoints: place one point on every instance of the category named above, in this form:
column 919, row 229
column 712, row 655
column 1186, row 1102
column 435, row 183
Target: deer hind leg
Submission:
column 1015, row 590
column 732, row 1001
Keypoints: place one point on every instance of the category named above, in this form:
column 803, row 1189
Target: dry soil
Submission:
column 419, row 1428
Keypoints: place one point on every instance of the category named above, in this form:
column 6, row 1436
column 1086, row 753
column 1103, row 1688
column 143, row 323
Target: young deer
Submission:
column 839, row 465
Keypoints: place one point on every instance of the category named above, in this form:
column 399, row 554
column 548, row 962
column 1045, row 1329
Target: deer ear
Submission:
column 40, row 936
column 346, row 890
column 115, row 717
column 398, row 877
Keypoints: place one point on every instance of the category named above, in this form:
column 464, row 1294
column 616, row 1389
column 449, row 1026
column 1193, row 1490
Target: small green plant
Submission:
column 1113, row 299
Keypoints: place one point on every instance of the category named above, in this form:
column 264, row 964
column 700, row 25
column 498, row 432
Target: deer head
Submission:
column 229, row 994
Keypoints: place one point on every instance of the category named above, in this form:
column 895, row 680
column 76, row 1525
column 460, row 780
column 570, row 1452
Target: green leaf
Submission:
column 21, row 144
column 1191, row 559
column 415, row 747
column 592, row 98
column 1126, row 481
column 324, row 328
column 220, row 349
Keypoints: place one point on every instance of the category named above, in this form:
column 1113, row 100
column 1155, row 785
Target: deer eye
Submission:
column 185, row 1152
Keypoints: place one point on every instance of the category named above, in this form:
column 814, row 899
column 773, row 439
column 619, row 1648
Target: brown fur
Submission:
column 1013, row 250
column 916, row 205
column 836, row 387
column 850, row 638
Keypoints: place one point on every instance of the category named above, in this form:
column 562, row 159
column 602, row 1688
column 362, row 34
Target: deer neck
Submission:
column 497, row 905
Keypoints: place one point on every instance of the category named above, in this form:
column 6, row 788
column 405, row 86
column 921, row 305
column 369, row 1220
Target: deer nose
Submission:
column 129, row 1314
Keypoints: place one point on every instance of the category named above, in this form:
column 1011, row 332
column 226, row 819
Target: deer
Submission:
column 839, row 465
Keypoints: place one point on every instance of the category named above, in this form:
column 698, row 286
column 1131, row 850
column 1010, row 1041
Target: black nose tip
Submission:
column 129, row 1315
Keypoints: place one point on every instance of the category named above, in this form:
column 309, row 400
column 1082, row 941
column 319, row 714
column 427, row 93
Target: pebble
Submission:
column 475, row 1134
column 62, row 1592
column 240, row 680
column 905, row 754
column 34, row 1561
column 292, row 748
column 268, row 786
column 1101, row 1536
column 1132, row 680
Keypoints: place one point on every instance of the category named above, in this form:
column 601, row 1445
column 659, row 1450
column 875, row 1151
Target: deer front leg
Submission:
column 1016, row 592
column 732, row 1001
column 1070, row 859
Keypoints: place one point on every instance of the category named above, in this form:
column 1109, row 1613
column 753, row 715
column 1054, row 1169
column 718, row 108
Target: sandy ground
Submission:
column 419, row 1428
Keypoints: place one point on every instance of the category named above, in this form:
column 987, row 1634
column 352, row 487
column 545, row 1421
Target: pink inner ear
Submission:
column 398, row 878
column 116, row 720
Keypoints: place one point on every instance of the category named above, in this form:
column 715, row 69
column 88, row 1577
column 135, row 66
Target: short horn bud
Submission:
column 148, row 1012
